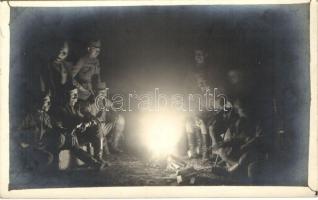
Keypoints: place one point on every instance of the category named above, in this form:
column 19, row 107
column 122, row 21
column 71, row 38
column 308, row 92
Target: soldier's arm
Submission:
column 25, row 130
column 57, row 118
column 77, row 67
column 84, row 111
column 97, row 71
column 96, row 76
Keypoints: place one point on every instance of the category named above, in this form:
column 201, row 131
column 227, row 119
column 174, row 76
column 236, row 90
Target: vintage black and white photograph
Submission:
column 150, row 95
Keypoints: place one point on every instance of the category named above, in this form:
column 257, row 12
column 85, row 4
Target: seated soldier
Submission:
column 74, row 126
column 35, row 130
column 220, row 124
column 238, row 146
column 100, row 108
column 197, row 125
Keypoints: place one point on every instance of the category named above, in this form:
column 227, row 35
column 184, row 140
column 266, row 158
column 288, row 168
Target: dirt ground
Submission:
column 125, row 170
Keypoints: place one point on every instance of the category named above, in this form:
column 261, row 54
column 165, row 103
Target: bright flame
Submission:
column 161, row 132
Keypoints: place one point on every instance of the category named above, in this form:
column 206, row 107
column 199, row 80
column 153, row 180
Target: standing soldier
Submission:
column 196, row 125
column 58, row 72
column 87, row 70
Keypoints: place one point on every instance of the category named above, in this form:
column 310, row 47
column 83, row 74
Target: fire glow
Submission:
column 161, row 132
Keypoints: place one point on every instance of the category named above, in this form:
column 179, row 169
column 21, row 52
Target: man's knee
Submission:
column 61, row 141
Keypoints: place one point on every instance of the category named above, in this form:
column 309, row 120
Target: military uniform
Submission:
column 85, row 72
column 107, row 120
column 35, row 132
column 54, row 78
column 197, row 124
column 69, row 119
column 59, row 75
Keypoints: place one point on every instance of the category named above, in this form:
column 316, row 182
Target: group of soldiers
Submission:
column 66, row 117
column 228, row 136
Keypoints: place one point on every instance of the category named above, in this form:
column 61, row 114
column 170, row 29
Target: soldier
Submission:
column 238, row 147
column 87, row 70
column 100, row 108
column 58, row 72
column 74, row 126
column 35, row 132
column 196, row 125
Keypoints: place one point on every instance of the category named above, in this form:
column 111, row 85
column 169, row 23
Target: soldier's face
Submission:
column 93, row 52
column 102, row 93
column 199, row 56
column 46, row 104
column 63, row 52
column 73, row 97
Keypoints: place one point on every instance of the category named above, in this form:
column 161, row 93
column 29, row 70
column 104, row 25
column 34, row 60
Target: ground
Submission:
column 125, row 170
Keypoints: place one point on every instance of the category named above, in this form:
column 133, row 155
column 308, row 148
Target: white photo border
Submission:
column 153, row 191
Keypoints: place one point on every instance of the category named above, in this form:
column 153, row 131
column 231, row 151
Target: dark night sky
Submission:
column 143, row 44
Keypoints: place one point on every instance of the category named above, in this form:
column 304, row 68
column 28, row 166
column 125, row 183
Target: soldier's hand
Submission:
column 74, row 140
column 81, row 127
column 198, row 121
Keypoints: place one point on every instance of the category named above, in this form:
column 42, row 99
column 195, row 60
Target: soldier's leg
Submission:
column 95, row 137
column 212, row 135
column 225, row 154
column 56, row 143
column 198, row 140
column 189, row 128
column 204, row 139
column 97, row 143
column 118, row 132
column 104, row 129
column 87, row 158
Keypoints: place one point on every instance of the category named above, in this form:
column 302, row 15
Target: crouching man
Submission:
column 74, row 128
column 110, row 124
column 35, row 131
column 239, row 147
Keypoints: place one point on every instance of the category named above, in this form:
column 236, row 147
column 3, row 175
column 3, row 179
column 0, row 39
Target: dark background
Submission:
column 152, row 46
